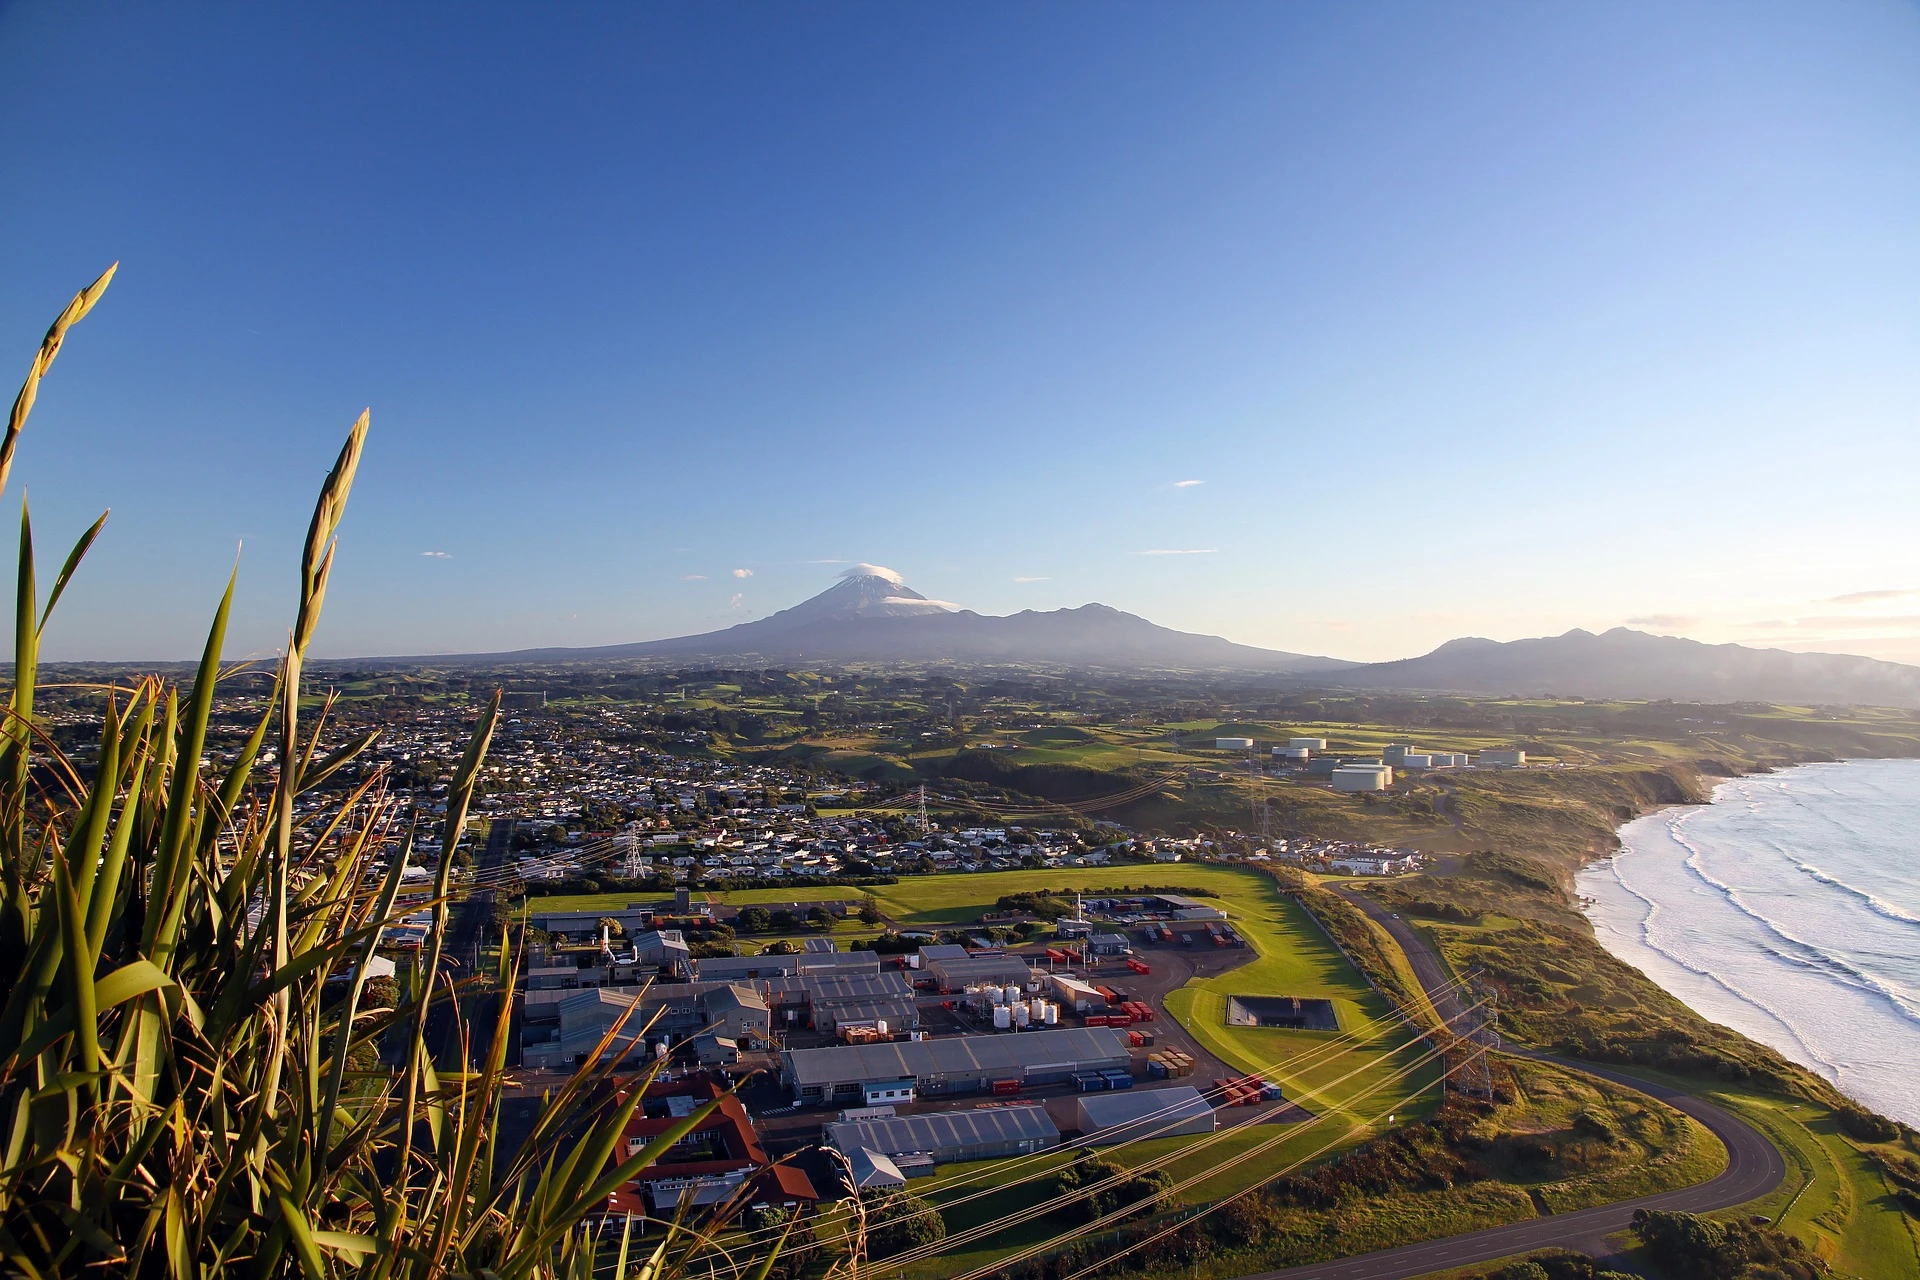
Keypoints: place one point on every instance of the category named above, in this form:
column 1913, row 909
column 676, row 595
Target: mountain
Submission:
column 871, row 615
column 1623, row 663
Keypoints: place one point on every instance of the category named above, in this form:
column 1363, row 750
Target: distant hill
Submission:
column 870, row 615
column 1623, row 663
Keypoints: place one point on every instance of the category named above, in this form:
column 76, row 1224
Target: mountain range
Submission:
column 871, row 615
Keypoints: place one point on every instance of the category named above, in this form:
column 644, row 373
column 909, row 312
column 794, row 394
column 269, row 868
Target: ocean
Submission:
column 1788, row 909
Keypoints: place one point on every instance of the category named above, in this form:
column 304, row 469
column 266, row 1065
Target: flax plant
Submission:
column 181, row 1095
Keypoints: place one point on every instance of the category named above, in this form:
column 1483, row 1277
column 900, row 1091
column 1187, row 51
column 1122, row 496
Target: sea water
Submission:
column 1788, row 909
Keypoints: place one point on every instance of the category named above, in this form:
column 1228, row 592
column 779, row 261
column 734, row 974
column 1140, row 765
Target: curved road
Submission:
column 1754, row 1167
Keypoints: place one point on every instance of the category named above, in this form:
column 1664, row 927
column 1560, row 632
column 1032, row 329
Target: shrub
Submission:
column 185, row 1096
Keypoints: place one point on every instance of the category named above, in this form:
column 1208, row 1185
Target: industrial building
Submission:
column 560, row 1028
column 1109, row 944
column 1362, row 777
column 958, row 975
column 961, row 1064
column 584, row 926
column 944, row 1137
column 1074, row 993
column 835, row 999
column 757, row 968
column 1133, row 1114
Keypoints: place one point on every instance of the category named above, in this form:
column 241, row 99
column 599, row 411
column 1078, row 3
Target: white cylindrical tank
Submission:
column 1037, row 1009
column 1022, row 1016
column 660, row 1050
column 880, row 1025
column 1053, row 1015
column 1002, row 1020
column 996, row 995
column 1013, row 993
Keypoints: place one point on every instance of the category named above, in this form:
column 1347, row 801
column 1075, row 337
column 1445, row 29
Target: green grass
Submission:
column 1293, row 958
column 1833, row 1197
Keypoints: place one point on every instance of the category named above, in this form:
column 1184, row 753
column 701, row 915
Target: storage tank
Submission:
column 880, row 1026
column 1053, row 1015
column 1233, row 744
column 1002, row 1020
column 1037, row 1009
column 1013, row 993
column 997, row 996
column 1022, row 1016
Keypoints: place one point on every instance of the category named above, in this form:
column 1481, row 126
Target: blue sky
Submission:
column 1485, row 319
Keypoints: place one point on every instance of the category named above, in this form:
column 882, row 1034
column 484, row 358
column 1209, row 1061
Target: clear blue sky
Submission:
column 1482, row 319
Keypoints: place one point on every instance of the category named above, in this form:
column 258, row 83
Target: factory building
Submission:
column 834, row 999
column 760, row 968
column 560, row 1028
column 961, row 1064
column 958, row 975
column 1132, row 1114
column 1109, row 944
column 1181, row 907
column 1362, row 777
column 944, row 1137
column 1075, row 994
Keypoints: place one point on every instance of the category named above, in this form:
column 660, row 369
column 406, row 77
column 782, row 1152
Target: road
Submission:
column 1754, row 1167
column 471, row 929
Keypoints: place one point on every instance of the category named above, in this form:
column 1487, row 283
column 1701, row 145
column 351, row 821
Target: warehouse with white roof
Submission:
column 961, row 1064
column 1132, row 1114
column 943, row 1137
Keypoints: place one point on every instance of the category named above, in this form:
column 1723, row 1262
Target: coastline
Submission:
column 1732, row 917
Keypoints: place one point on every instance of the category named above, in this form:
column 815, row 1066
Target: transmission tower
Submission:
column 923, row 808
column 1479, row 1037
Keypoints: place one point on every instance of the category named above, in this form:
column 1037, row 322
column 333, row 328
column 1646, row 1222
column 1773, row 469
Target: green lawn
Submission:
column 1833, row 1197
column 1294, row 958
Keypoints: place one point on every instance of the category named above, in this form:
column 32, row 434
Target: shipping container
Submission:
column 1118, row 1079
column 1139, row 966
column 1006, row 1086
column 1089, row 1081
column 1097, row 1020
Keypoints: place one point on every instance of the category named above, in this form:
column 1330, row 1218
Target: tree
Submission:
column 870, row 910
column 819, row 918
column 756, row 920
column 897, row 1222
column 784, row 922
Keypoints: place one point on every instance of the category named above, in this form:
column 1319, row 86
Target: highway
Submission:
column 1754, row 1167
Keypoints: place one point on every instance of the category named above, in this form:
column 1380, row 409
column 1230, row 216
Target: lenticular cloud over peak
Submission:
column 873, row 571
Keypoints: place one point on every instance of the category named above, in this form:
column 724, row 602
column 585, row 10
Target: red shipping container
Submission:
column 1139, row 966
column 1096, row 1019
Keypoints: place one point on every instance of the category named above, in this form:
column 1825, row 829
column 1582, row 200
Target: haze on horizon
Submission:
column 1337, row 330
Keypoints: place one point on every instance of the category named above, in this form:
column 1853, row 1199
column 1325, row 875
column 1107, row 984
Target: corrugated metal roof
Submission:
column 832, row 988
column 959, row 1055
column 1168, row 1108
column 939, row 1130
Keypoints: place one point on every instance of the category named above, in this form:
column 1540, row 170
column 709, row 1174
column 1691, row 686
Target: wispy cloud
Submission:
column 1663, row 620
column 735, row 602
column 1180, row 551
column 438, row 555
column 1026, row 579
column 1870, row 597
column 693, row 577
column 743, row 573
column 1842, row 623
column 1187, row 484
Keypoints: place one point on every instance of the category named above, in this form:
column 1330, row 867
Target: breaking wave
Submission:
column 1788, row 909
